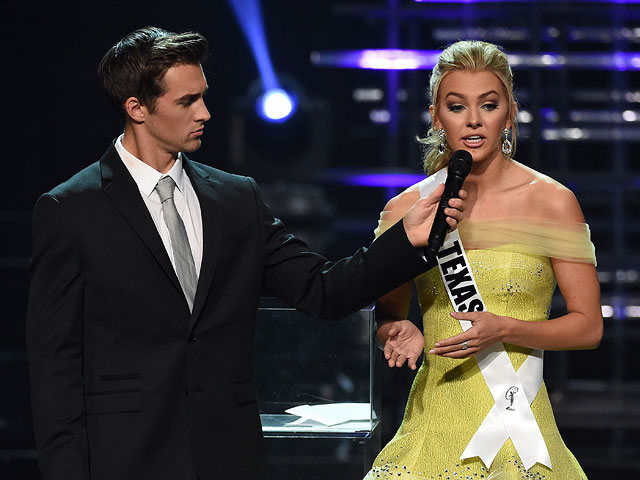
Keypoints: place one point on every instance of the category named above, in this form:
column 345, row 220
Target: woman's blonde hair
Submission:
column 475, row 56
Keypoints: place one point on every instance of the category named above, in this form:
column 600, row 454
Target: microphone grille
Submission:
column 460, row 163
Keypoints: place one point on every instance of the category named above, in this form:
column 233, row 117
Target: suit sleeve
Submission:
column 327, row 289
column 54, row 345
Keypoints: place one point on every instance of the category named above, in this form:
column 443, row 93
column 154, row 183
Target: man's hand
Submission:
column 419, row 218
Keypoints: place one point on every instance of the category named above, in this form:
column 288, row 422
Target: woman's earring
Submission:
column 442, row 139
column 507, row 147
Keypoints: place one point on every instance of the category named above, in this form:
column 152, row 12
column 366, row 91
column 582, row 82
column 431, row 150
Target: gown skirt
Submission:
column 449, row 397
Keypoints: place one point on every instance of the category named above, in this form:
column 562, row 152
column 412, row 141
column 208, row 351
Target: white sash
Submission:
column 511, row 415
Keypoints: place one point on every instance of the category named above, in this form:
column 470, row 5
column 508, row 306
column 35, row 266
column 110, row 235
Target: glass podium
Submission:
column 318, row 393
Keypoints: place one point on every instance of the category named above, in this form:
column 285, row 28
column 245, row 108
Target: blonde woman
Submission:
column 478, row 407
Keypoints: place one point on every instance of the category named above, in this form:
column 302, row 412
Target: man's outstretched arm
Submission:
column 326, row 289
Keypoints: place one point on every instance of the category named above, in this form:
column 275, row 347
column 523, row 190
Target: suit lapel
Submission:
column 121, row 189
column 208, row 193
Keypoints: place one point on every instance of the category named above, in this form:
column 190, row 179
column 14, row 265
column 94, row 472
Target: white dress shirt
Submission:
column 187, row 204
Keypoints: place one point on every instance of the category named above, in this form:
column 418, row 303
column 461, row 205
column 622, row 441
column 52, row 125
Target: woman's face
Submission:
column 473, row 109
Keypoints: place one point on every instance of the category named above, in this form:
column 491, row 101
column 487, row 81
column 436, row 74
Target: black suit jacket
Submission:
column 126, row 382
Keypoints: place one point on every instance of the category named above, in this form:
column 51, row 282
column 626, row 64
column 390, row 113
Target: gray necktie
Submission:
column 182, row 256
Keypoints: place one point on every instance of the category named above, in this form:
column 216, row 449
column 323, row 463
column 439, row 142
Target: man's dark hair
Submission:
column 135, row 66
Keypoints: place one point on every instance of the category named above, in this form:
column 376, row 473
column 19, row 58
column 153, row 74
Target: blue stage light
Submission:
column 250, row 18
column 276, row 105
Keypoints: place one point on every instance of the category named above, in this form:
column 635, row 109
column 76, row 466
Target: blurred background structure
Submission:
column 330, row 156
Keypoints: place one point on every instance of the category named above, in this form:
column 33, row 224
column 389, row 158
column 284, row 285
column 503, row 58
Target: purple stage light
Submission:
column 377, row 59
column 395, row 180
column 391, row 59
column 549, row 115
column 397, row 59
column 621, row 2
column 472, row 1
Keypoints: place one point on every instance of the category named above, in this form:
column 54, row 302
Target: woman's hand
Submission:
column 486, row 330
column 404, row 343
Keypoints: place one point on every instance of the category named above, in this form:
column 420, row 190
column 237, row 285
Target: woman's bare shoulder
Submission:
column 547, row 198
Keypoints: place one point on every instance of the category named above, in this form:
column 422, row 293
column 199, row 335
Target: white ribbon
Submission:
column 511, row 415
column 491, row 434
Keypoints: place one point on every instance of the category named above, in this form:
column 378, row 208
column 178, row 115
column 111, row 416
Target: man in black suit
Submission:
column 138, row 369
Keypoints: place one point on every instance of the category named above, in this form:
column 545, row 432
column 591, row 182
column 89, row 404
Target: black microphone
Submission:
column 459, row 168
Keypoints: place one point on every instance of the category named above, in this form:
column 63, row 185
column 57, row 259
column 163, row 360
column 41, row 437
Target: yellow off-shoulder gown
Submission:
column 511, row 262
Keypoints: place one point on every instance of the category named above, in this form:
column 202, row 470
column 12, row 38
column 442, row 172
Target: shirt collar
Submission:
column 145, row 176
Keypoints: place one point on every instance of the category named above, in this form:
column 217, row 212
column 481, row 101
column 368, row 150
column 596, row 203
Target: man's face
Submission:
column 177, row 122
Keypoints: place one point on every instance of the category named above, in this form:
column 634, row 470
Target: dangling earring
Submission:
column 507, row 147
column 442, row 139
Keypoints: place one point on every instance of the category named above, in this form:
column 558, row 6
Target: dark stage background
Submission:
column 577, row 81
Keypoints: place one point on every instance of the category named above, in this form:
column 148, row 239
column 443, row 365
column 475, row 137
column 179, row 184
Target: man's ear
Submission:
column 135, row 110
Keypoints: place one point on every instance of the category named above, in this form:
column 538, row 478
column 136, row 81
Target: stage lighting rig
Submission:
column 280, row 133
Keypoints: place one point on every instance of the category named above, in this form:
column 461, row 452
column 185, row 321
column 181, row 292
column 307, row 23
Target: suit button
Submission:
column 192, row 339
